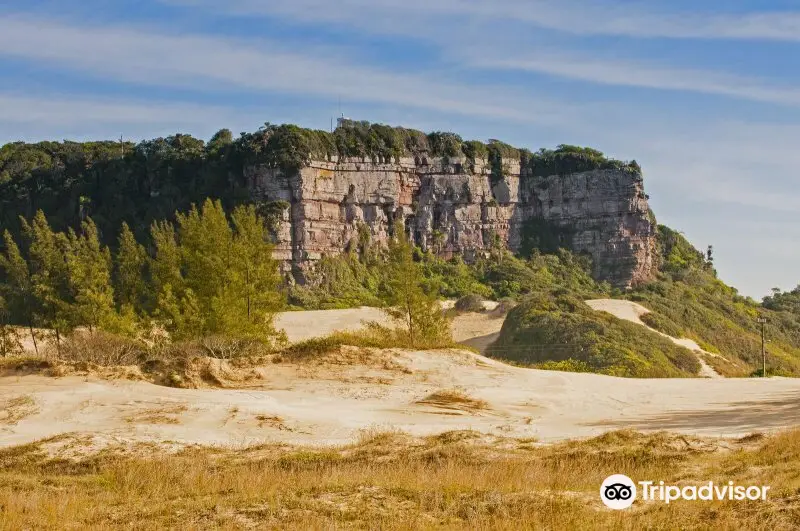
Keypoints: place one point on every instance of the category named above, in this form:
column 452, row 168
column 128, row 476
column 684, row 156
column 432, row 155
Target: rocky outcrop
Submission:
column 455, row 207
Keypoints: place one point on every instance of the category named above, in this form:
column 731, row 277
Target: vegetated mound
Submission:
column 559, row 331
column 209, row 362
column 688, row 300
column 554, row 329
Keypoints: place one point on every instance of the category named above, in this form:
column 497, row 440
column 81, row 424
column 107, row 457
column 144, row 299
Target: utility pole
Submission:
column 763, row 322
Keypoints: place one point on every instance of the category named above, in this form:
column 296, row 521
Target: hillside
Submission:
column 687, row 300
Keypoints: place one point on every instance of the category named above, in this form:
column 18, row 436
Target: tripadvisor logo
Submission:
column 619, row 492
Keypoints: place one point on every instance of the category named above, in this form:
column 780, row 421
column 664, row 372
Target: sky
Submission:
column 704, row 95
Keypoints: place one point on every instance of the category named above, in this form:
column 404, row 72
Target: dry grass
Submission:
column 12, row 410
column 391, row 481
column 165, row 414
column 454, row 399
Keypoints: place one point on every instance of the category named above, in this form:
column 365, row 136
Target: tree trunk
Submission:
column 33, row 338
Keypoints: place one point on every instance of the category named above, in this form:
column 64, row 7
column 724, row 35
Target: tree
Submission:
column 206, row 245
column 17, row 289
column 89, row 274
column 253, row 277
column 49, row 276
column 129, row 284
column 406, row 298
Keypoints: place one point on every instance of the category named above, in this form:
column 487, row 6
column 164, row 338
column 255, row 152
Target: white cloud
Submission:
column 198, row 62
column 645, row 75
column 583, row 17
column 460, row 28
column 54, row 116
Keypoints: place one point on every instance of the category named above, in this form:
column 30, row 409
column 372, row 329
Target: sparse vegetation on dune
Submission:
column 389, row 480
column 562, row 332
column 688, row 300
column 457, row 399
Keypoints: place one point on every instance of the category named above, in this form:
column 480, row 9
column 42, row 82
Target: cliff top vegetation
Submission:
column 142, row 182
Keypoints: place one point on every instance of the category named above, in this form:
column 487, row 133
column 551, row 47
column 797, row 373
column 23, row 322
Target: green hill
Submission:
column 686, row 300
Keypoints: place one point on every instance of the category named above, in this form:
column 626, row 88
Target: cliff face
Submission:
column 453, row 210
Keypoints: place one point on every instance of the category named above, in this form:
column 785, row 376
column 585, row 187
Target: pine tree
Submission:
column 89, row 273
column 251, row 290
column 206, row 244
column 165, row 267
column 129, row 283
column 17, row 289
column 167, row 282
column 406, row 298
column 48, row 276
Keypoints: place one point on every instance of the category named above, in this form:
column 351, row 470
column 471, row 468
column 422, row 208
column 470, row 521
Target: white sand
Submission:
column 330, row 404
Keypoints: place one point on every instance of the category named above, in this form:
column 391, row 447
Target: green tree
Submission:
column 129, row 282
column 253, row 277
column 206, row 248
column 49, row 277
column 169, row 289
column 17, row 289
column 407, row 299
column 89, row 273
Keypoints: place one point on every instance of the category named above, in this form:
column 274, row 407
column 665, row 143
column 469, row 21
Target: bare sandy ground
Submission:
column 331, row 404
column 332, row 401
column 477, row 330
column 630, row 311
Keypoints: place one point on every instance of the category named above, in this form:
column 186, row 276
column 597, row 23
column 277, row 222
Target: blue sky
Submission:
column 705, row 95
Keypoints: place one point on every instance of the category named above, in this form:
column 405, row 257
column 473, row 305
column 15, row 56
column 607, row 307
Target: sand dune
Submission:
column 630, row 311
column 330, row 401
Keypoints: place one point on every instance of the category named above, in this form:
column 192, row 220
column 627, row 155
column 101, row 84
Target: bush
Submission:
column 470, row 303
column 568, row 365
column 374, row 336
column 100, row 348
column 662, row 324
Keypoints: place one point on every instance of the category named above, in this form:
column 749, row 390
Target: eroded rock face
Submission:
column 452, row 208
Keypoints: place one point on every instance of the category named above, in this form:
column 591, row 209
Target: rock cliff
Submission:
column 454, row 206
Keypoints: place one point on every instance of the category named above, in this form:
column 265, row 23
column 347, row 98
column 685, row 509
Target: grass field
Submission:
column 390, row 481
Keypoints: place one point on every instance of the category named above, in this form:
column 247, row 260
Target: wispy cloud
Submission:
column 645, row 75
column 58, row 116
column 468, row 23
column 201, row 61
column 628, row 19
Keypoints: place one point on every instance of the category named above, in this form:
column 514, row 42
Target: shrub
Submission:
column 469, row 303
column 101, row 348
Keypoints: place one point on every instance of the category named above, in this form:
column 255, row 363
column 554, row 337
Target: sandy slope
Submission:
column 333, row 400
column 630, row 311
column 331, row 403
column 477, row 330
